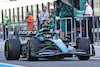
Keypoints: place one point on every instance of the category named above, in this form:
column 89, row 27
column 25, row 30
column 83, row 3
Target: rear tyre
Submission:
column 12, row 49
column 32, row 49
column 83, row 57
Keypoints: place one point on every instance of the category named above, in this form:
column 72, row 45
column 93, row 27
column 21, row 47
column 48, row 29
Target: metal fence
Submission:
column 94, row 28
column 84, row 22
column 13, row 27
column 67, row 31
column 97, row 31
column 57, row 24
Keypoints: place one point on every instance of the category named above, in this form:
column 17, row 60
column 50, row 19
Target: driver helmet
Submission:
column 47, row 36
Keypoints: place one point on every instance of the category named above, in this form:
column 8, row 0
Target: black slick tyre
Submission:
column 32, row 49
column 12, row 49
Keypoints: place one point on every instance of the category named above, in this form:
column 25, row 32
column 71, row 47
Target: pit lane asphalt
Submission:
column 66, row 62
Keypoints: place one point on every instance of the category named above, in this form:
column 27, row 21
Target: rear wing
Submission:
column 25, row 33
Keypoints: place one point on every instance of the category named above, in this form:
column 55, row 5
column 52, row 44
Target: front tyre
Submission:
column 32, row 48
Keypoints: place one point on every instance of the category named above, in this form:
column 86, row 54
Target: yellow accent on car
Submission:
column 28, row 49
column 79, row 45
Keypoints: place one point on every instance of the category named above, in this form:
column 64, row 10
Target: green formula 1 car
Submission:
column 46, row 44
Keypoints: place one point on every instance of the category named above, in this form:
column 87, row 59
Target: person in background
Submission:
column 52, row 17
column 45, row 24
column 59, row 4
column 69, row 13
column 52, row 14
column 62, row 14
column 48, row 25
column 29, row 19
column 44, row 15
column 57, row 7
column 69, row 8
column 88, row 12
column 5, row 21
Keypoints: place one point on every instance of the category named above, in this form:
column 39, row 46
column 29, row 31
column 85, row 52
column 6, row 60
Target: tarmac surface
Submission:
column 66, row 62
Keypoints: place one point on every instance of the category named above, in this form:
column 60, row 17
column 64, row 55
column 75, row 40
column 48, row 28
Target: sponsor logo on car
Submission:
column 27, row 32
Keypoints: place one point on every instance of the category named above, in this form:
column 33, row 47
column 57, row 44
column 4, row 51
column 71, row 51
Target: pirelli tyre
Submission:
column 83, row 43
column 12, row 49
column 32, row 49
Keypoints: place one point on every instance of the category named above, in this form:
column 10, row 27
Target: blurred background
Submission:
column 5, row 5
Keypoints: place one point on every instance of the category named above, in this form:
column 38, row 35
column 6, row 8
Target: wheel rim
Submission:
column 32, row 51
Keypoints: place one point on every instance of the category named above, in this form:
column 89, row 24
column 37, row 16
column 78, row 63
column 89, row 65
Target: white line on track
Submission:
column 95, row 58
column 11, row 65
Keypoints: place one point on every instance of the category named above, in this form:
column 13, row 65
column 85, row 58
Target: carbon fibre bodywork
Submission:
column 46, row 44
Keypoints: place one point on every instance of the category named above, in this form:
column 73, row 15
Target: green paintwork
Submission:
column 79, row 12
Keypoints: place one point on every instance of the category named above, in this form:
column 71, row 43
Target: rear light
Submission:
column 78, row 29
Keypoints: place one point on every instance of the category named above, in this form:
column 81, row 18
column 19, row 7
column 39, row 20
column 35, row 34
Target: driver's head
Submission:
column 47, row 36
column 86, row 3
column 44, row 8
column 45, row 22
